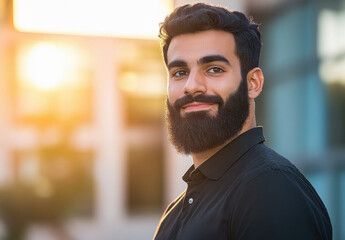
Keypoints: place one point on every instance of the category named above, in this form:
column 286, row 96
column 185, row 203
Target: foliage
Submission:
column 62, row 189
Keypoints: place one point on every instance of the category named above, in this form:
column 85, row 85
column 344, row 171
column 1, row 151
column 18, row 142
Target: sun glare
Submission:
column 47, row 66
column 127, row 18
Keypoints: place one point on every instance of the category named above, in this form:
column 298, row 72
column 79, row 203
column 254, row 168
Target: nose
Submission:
column 195, row 84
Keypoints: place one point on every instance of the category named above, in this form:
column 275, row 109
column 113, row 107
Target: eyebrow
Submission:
column 177, row 63
column 201, row 61
column 213, row 58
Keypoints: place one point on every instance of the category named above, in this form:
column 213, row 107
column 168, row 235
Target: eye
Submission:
column 180, row 73
column 215, row 70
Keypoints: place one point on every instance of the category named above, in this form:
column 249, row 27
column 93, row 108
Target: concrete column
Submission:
column 5, row 68
column 109, row 157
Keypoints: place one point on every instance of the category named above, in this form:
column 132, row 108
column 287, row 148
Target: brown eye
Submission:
column 215, row 70
column 180, row 73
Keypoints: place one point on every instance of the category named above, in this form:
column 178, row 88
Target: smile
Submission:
column 197, row 106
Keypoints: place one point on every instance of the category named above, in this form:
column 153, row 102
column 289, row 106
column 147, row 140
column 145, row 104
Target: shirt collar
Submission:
column 221, row 161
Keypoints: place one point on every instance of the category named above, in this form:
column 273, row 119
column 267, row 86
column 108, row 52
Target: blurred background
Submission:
column 83, row 146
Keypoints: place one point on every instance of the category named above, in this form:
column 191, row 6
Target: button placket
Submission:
column 189, row 201
column 185, row 210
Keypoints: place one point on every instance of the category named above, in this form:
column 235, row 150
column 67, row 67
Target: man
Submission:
column 238, row 188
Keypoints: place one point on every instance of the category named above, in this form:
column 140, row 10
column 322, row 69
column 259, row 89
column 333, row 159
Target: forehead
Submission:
column 193, row 46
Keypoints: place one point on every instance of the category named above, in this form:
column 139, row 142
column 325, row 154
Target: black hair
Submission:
column 192, row 18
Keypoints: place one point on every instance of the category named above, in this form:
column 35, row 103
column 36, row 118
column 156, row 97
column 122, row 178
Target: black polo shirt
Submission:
column 246, row 191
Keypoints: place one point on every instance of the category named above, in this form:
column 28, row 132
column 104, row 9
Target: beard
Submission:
column 199, row 131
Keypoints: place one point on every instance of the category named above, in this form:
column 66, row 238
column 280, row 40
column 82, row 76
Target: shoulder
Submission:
column 267, row 158
column 264, row 163
column 274, row 178
column 274, row 199
column 272, row 184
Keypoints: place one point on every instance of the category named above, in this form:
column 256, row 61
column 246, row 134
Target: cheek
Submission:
column 225, row 89
column 175, row 91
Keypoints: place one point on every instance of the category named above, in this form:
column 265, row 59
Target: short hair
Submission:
column 193, row 18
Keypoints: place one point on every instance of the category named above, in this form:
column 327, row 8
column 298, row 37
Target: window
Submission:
column 142, row 84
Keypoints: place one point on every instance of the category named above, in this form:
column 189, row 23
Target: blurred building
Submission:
column 83, row 147
column 303, row 105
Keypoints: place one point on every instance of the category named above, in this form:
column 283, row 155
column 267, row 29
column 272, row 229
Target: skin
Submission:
column 206, row 63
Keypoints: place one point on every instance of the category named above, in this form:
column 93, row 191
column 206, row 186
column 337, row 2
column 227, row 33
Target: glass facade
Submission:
column 302, row 108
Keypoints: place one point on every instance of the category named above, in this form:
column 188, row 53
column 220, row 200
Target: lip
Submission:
column 196, row 106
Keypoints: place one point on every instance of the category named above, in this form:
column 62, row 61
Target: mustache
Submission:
column 198, row 98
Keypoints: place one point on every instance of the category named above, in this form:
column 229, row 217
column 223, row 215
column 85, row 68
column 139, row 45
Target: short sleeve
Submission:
column 279, row 205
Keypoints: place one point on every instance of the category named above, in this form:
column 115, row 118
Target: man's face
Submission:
column 202, row 63
column 207, row 105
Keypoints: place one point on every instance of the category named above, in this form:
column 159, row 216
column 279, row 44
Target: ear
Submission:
column 255, row 80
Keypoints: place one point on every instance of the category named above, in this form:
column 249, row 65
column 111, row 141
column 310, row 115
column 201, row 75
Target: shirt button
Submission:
column 190, row 200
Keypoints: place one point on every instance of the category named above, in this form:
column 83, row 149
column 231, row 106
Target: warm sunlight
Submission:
column 47, row 66
column 151, row 85
column 128, row 19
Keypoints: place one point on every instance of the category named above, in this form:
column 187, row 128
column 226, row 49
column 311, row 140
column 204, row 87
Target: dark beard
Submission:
column 198, row 131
